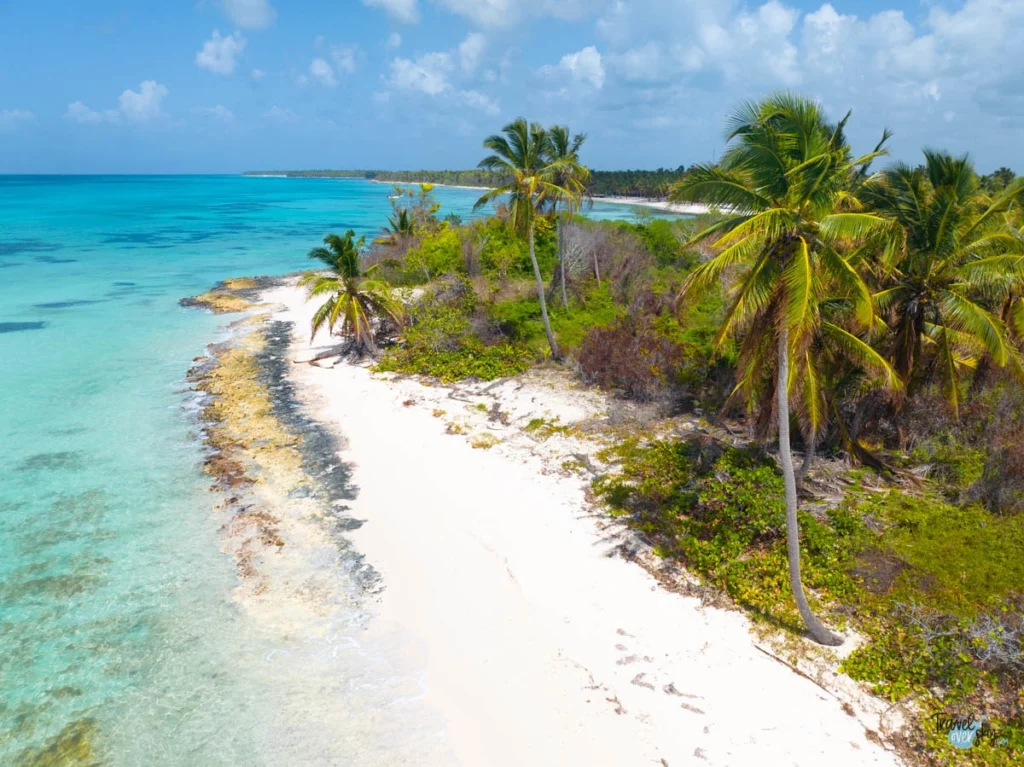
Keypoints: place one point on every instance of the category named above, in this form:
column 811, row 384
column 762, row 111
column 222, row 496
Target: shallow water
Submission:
column 119, row 638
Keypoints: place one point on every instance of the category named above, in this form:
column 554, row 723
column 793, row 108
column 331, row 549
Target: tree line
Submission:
column 651, row 184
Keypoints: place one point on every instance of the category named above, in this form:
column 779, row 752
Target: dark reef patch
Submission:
column 60, row 461
column 68, row 304
column 124, row 284
column 27, row 246
column 242, row 207
column 332, row 479
column 16, row 327
column 55, row 260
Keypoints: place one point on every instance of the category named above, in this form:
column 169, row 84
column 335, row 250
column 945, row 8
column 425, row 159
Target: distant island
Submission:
column 650, row 184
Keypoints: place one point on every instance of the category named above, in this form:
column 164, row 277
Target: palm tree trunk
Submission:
column 561, row 262
column 540, row 295
column 820, row 634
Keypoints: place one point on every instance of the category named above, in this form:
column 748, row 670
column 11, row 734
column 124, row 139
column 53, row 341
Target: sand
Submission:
column 535, row 642
column 686, row 208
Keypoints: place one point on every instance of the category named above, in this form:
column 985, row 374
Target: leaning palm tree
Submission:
column 522, row 155
column 570, row 175
column 355, row 300
column 950, row 279
column 782, row 180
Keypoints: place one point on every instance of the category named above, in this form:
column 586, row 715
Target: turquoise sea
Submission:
column 117, row 626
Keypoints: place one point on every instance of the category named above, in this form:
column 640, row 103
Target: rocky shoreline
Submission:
column 280, row 492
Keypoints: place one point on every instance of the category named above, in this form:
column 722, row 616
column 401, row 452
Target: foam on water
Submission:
column 119, row 637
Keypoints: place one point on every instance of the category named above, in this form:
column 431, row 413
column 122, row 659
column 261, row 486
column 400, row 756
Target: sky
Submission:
column 222, row 86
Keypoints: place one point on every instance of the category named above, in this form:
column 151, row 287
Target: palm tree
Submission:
column 522, row 154
column 572, row 176
column 782, row 179
column 400, row 228
column 950, row 278
column 355, row 299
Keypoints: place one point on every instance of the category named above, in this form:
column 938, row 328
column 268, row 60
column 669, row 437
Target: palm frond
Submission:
column 966, row 316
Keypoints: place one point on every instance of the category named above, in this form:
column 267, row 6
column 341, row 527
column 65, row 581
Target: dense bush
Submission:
column 664, row 240
column 439, row 343
column 720, row 511
column 631, row 357
column 518, row 319
column 438, row 253
column 504, row 252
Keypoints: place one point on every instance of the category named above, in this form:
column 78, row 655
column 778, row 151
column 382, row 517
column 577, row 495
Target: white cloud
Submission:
column 249, row 14
column 342, row 62
column 140, row 106
column 492, row 13
column 145, row 104
column 279, row 114
column 503, row 13
column 394, row 40
column 643, row 63
column 10, row 118
column 470, row 52
column 344, row 58
column 476, row 100
column 323, row 73
column 401, row 10
column 381, row 97
column 80, row 113
column 427, row 74
column 220, row 54
column 219, row 112
column 486, row 13
column 583, row 66
column 257, row 74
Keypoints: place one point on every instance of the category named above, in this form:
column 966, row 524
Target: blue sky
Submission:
column 112, row 86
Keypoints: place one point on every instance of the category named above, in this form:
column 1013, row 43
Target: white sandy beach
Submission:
column 538, row 645
column 684, row 208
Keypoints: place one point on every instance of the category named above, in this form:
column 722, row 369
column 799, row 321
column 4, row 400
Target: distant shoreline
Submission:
column 683, row 208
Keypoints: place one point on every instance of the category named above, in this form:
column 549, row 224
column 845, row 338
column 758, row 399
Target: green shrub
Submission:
column 721, row 512
column 518, row 319
column 438, row 253
column 471, row 359
column 596, row 308
column 439, row 341
column 664, row 240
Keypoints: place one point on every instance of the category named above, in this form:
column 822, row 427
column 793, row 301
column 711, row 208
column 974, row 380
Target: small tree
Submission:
column 355, row 300
column 523, row 155
column 571, row 176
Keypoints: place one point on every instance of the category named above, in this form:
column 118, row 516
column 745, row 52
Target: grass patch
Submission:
column 544, row 428
column 484, row 441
